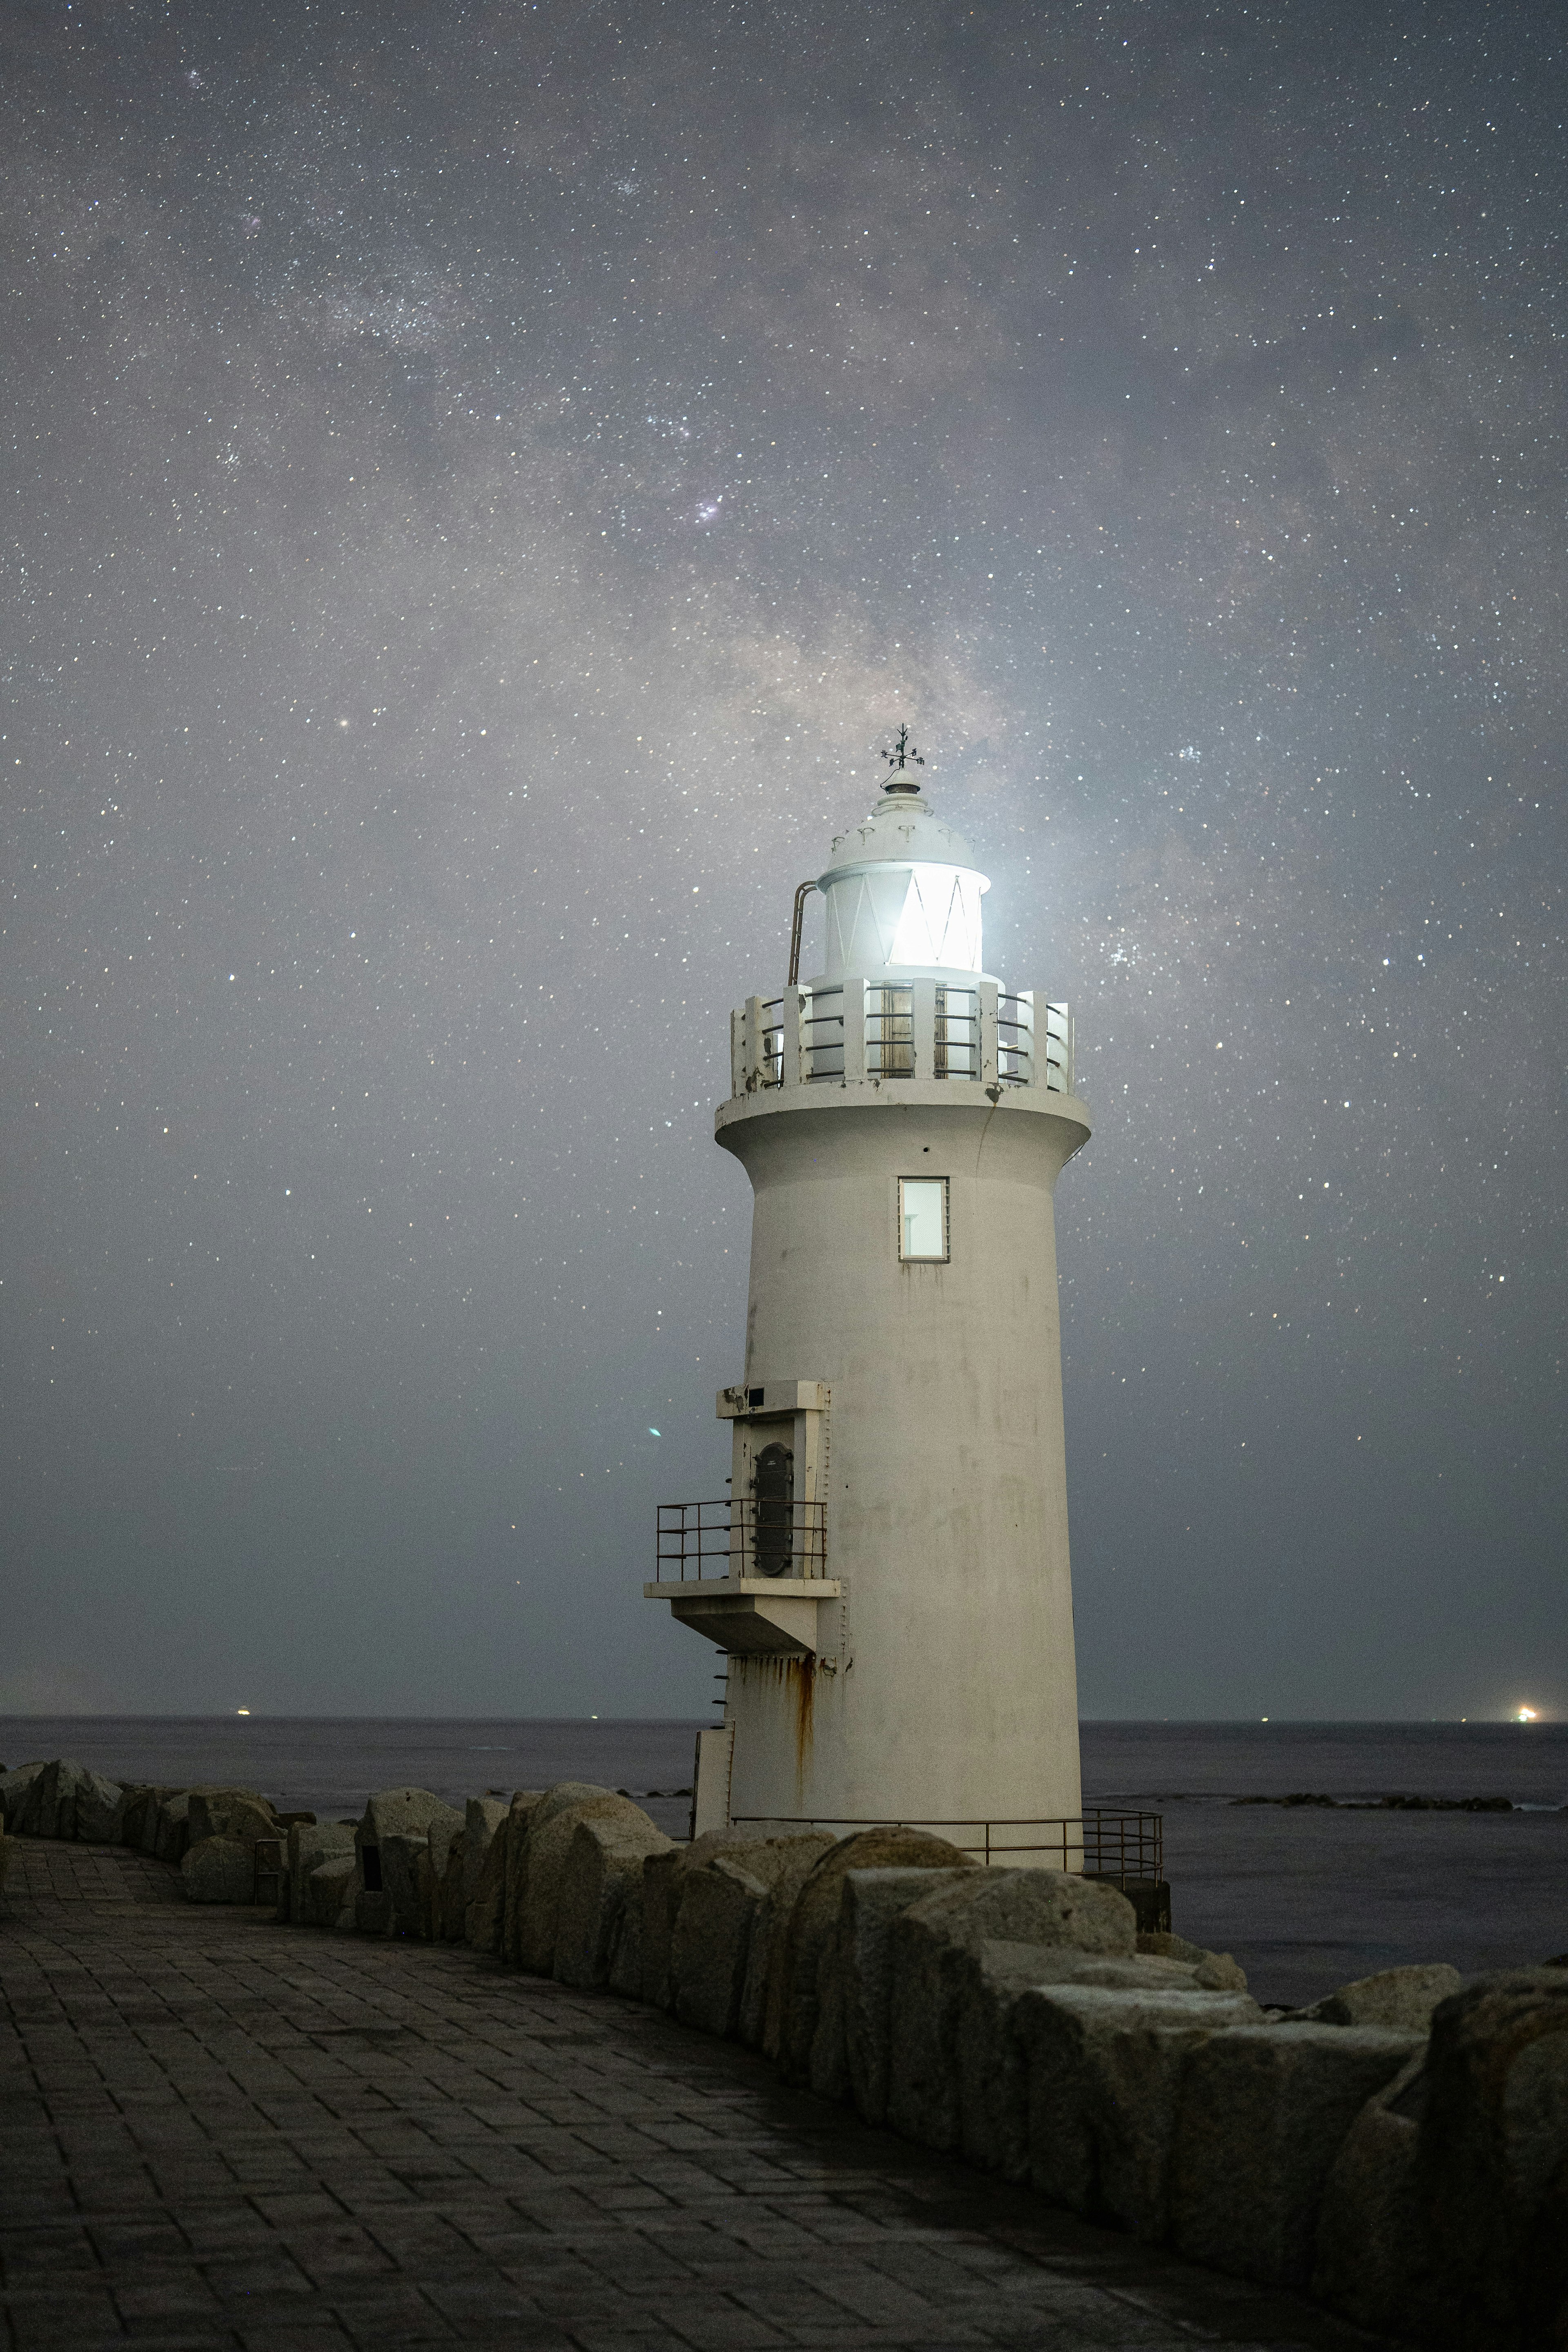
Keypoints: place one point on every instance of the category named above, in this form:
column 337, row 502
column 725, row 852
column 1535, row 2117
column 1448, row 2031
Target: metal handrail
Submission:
column 772, row 1042
column 741, row 1536
column 890, row 1030
column 1128, row 1848
column 1015, row 1040
column 822, row 1035
column 1031, row 1039
column 957, row 1040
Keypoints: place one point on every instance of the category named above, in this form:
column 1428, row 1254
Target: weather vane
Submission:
column 902, row 752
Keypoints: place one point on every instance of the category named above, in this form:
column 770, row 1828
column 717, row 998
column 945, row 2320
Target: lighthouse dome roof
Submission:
column 902, row 830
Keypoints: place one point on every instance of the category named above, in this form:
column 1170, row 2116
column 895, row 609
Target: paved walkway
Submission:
column 217, row 2131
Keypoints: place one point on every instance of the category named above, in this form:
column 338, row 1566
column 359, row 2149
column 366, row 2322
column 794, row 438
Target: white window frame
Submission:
column 946, row 1252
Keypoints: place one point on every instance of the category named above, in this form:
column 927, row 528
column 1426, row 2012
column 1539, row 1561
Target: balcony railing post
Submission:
column 854, row 1032
column 923, row 1007
column 753, row 1043
column 1056, row 1048
column 738, row 1052
column 792, row 1013
column 1028, row 1041
column 987, row 1071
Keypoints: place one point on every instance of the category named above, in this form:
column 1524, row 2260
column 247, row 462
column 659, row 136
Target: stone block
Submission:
column 229, row 1813
column 401, row 1812
column 484, row 1910
column 404, row 1879
column 17, row 1796
column 534, row 1888
column 664, row 1876
column 793, row 2001
column 711, row 1943
column 1218, row 1972
column 482, row 1818
column 310, row 1845
column 625, row 1951
column 431, row 1867
column 100, row 1809
column 151, row 1817
column 985, row 2109
column 447, row 1921
column 58, row 1788
column 602, row 1867
column 1374, row 2253
column 1049, row 1910
column 1103, row 2067
column 392, row 1836
column 664, row 1881
column 137, row 1795
column 331, row 1889
column 1402, row 2000
column 1491, row 2170
column 172, row 1826
column 1263, row 2112
column 219, row 1870
column 862, row 1989
column 795, row 1859
column 512, row 1839
column 841, row 1979
column 439, row 1836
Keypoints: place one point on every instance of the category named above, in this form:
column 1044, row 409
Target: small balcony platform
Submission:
column 753, row 1616
column 771, row 1555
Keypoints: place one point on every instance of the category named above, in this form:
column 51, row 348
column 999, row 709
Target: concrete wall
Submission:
column 946, row 1690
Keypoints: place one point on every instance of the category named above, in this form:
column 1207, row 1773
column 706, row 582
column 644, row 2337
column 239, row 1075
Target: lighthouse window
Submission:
column 922, row 1217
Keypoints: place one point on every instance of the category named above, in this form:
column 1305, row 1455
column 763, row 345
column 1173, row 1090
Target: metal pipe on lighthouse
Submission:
column 890, row 1576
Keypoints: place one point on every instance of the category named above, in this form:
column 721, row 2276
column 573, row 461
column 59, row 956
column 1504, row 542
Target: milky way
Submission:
column 485, row 481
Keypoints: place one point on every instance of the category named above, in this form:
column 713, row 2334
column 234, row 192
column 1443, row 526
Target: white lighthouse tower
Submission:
column 888, row 1575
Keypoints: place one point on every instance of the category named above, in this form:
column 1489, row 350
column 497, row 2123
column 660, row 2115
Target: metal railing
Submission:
column 1015, row 1040
column 957, row 1033
column 805, row 1034
column 772, row 1042
column 890, row 1031
column 822, row 1035
column 1058, row 1049
column 1128, row 1849
column 741, row 1537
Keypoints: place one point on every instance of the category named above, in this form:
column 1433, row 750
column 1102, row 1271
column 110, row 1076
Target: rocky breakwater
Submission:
column 1399, row 2151
column 226, row 1842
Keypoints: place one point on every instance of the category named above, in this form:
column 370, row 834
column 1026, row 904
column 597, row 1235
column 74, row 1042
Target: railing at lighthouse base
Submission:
column 1124, row 1849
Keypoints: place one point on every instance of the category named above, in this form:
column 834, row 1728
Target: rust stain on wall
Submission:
column 800, row 1676
column 797, row 1678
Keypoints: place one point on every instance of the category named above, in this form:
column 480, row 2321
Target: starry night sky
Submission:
column 481, row 483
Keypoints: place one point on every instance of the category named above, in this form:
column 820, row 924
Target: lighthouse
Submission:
column 888, row 1576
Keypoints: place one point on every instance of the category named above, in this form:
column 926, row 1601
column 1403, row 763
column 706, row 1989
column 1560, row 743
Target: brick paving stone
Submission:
column 219, row 2132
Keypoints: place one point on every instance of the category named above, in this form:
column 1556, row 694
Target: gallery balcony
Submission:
column 860, row 1030
column 748, row 1574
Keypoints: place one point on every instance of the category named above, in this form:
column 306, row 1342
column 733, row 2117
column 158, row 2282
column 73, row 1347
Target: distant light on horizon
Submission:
column 242, row 1711
column 1526, row 1715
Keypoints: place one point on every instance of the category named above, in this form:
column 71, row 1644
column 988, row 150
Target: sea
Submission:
column 1305, row 1896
